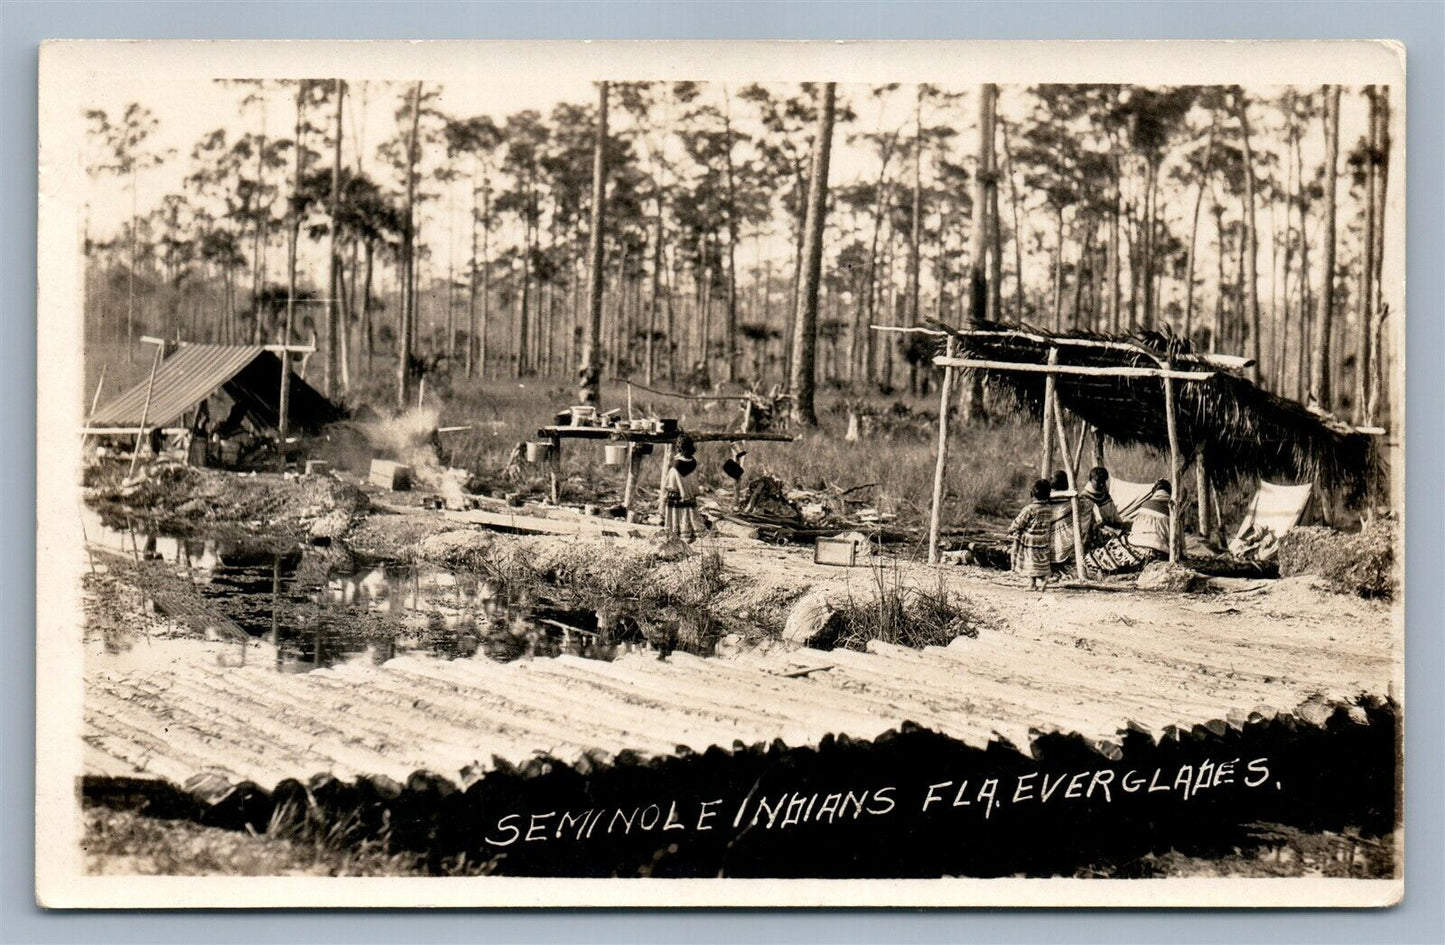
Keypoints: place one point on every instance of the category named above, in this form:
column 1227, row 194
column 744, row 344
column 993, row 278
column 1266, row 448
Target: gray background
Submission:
column 1420, row 25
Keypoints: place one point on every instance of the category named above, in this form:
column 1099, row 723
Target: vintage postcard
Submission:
column 731, row 474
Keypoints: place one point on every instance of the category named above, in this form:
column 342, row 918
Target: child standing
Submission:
column 679, row 494
column 1031, row 549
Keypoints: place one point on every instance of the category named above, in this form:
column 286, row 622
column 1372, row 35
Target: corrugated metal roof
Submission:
column 195, row 372
column 183, row 380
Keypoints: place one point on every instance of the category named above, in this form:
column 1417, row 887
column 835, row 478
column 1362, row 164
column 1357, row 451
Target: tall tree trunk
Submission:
column 805, row 338
column 471, row 364
column 258, row 240
column 1216, row 327
column 1321, row 391
column 451, row 321
column 1204, row 173
column 486, row 322
column 1147, row 268
column 368, row 335
column 979, row 236
column 1058, row 297
column 915, row 234
column 732, row 221
column 1013, row 198
column 408, row 250
column 1365, row 319
column 130, row 273
column 330, row 377
column 1076, row 306
column 283, row 418
column 590, row 370
column 650, row 351
column 1382, row 176
column 870, row 269
column 1251, row 237
column 979, row 241
column 995, row 242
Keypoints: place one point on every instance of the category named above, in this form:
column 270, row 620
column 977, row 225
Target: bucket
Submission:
column 667, row 425
column 539, row 452
column 615, row 454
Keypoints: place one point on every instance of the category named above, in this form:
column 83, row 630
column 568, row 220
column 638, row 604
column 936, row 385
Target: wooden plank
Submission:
column 538, row 525
column 1053, row 369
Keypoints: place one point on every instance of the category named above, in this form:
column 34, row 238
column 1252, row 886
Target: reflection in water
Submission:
column 322, row 606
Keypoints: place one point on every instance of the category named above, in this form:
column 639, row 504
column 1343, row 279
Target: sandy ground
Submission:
column 1092, row 660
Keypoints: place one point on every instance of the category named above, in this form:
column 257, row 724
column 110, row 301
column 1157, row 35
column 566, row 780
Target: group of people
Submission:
column 1043, row 533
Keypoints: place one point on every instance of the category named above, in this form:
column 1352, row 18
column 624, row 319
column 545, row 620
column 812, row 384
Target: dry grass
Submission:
column 991, row 465
column 1360, row 563
column 127, row 842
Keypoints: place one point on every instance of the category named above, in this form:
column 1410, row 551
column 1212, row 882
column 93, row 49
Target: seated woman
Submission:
column 1061, row 523
column 1147, row 539
column 1103, row 513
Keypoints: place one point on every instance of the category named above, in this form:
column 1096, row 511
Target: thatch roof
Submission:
column 1244, row 430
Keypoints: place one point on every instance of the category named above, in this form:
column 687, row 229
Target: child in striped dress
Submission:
column 1030, row 530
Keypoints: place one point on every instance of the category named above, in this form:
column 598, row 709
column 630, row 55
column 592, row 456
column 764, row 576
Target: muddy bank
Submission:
column 733, row 590
column 186, row 500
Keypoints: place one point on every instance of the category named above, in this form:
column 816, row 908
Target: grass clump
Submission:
column 1360, row 563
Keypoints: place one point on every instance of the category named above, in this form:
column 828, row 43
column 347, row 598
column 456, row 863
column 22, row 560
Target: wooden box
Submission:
column 839, row 551
column 390, row 475
column 317, row 467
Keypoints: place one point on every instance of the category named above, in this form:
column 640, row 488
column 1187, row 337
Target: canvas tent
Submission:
column 248, row 375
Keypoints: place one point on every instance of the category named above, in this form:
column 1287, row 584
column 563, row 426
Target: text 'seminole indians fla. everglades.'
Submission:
column 937, row 474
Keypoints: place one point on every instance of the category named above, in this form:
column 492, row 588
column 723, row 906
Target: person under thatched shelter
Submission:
column 1061, row 523
column 1103, row 513
column 1031, row 531
column 1147, row 539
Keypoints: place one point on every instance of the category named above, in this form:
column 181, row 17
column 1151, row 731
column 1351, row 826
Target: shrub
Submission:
column 1360, row 563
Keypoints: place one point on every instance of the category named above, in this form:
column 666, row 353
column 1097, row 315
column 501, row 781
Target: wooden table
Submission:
column 556, row 434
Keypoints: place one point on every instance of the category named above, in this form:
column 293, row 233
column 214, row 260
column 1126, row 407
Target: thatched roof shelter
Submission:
column 1243, row 430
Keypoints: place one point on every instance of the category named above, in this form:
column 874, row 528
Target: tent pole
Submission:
column 284, row 412
column 1073, row 488
column 1173, row 469
column 1047, row 456
column 145, row 410
column 940, row 468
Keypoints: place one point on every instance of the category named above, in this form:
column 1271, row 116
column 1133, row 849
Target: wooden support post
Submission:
column 1098, row 439
column 1079, row 446
column 554, row 471
column 940, row 467
column 662, row 484
column 634, row 467
column 1073, row 487
column 283, row 418
column 146, row 410
column 1173, row 469
column 1201, row 486
column 1047, row 456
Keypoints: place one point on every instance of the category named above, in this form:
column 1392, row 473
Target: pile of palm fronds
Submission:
column 1242, row 430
